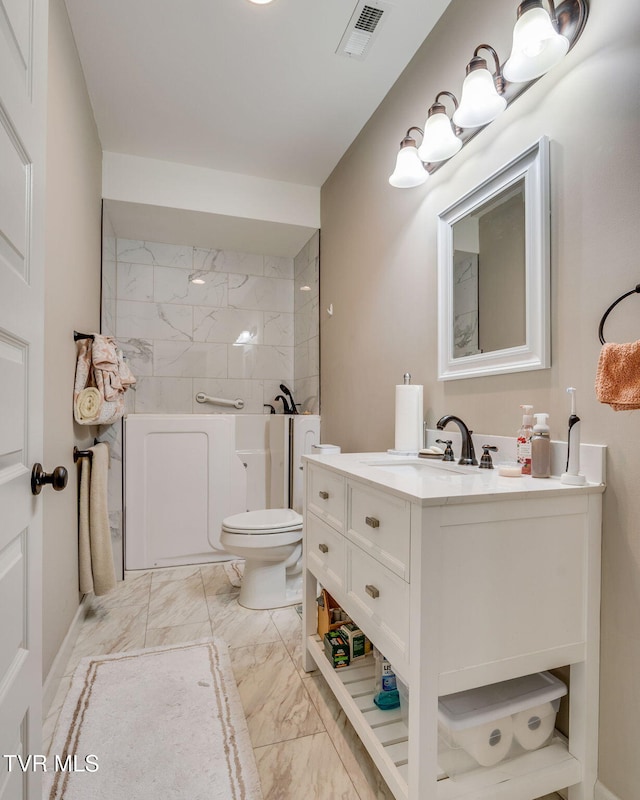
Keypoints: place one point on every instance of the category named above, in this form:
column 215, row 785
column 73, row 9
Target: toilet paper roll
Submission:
column 488, row 743
column 409, row 414
column 534, row 726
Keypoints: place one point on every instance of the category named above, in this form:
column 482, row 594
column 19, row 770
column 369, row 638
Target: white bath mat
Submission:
column 165, row 722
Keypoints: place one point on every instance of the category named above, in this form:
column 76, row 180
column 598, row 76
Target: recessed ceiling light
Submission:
column 305, row 288
column 260, row 2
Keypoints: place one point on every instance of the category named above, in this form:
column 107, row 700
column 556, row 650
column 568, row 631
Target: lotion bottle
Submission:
column 540, row 448
column 523, row 445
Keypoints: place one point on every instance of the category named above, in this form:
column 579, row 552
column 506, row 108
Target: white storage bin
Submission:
column 484, row 726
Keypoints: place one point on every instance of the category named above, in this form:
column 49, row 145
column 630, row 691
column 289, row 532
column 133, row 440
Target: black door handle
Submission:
column 58, row 478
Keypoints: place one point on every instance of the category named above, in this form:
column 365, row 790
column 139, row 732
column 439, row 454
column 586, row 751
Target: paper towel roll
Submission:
column 534, row 726
column 409, row 413
column 488, row 743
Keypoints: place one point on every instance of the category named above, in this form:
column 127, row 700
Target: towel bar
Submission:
column 77, row 335
column 610, row 309
column 77, row 454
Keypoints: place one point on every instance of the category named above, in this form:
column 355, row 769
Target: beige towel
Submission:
column 97, row 572
column 618, row 376
column 102, row 378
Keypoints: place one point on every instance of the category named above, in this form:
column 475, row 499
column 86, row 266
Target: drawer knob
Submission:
column 323, row 495
column 323, row 548
column 372, row 591
column 372, row 522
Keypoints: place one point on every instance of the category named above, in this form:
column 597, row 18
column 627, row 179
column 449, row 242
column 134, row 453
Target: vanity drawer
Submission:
column 325, row 495
column 381, row 603
column 325, row 553
column 381, row 525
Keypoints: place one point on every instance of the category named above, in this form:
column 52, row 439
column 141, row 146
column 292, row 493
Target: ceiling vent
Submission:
column 362, row 29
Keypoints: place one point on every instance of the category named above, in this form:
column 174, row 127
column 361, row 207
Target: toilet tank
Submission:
column 290, row 437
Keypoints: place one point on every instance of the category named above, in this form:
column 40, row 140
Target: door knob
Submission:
column 58, row 478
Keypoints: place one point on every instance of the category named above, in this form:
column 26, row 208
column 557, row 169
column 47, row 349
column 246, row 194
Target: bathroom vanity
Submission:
column 462, row 578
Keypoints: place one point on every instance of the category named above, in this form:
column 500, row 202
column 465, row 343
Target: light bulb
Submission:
column 480, row 102
column 439, row 141
column 409, row 171
column 537, row 46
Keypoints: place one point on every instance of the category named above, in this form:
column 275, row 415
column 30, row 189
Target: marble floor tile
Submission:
column 364, row 774
column 177, row 602
column 109, row 631
column 288, row 623
column 51, row 718
column 239, row 626
column 217, row 581
column 156, row 637
column 308, row 767
column 174, row 573
column 275, row 702
column 235, row 571
column 133, row 591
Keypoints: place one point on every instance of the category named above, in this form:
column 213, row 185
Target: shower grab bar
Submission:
column 201, row 397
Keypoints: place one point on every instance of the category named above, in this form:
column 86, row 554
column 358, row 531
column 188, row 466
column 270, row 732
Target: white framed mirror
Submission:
column 493, row 273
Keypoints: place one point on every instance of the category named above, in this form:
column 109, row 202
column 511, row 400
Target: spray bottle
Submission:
column 572, row 474
column 523, row 444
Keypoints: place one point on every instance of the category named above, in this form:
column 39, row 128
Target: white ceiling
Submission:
column 239, row 87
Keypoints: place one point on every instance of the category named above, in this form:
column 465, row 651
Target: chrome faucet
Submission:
column 468, row 455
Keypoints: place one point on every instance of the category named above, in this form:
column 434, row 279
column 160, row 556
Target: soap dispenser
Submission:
column 523, row 444
column 540, row 448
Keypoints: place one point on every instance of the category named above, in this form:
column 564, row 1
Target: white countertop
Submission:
column 433, row 482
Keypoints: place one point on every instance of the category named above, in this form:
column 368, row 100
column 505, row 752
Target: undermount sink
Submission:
column 416, row 465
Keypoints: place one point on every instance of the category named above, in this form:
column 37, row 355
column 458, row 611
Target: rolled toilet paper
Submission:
column 409, row 416
column 534, row 726
column 488, row 743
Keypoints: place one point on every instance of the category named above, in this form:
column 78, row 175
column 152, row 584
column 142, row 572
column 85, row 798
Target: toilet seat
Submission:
column 263, row 522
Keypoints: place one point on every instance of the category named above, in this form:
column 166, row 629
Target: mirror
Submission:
column 493, row 273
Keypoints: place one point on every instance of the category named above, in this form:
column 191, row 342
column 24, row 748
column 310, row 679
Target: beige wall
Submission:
column 379, row 272
column 74, row 162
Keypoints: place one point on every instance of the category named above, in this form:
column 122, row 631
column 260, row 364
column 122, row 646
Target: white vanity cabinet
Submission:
column 461, row 579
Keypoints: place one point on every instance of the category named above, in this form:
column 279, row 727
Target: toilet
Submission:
column 270, row 540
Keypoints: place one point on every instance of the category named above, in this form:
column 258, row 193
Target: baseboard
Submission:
column 602, row 793
column 50, row 685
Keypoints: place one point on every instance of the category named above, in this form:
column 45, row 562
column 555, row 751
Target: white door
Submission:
column 23, row 69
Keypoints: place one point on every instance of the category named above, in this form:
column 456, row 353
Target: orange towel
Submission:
column 618, row 376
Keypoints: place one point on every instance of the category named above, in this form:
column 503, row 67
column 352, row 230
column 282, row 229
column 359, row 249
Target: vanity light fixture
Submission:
column 482, row 99
column 440, row 141
column 537, row 45
column 540, row 40
column 409, row 169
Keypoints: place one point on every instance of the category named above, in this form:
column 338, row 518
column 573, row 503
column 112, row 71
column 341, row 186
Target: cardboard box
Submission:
column 330, row 615
column 336, row 649
column 359, row 645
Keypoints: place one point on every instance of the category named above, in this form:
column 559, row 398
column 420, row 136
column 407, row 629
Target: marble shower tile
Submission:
column 134, row 282
column 366, row 778
column 239, row 626
column 157, row 637
column 301, row 261
column 275, row 702
column 109, row 631
column 301, row 360
column 155, row 253
column 308, row 277
column 278, row 267
column 190, row 359
column 174, row 286
column 305, row 767
column 226, row 324
column 137, row 320
column 314, row 355
column 264, row 294
column 260, row 362
column 177, row 603
column 313, row 246
column 164, row 395
column 307, row 323
column 138, row 354
column 108, row 248
column 228, row 261
column 306, row 392
column 278, row 328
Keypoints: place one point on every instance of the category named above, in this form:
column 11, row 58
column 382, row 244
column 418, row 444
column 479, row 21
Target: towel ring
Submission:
column 610, row 309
